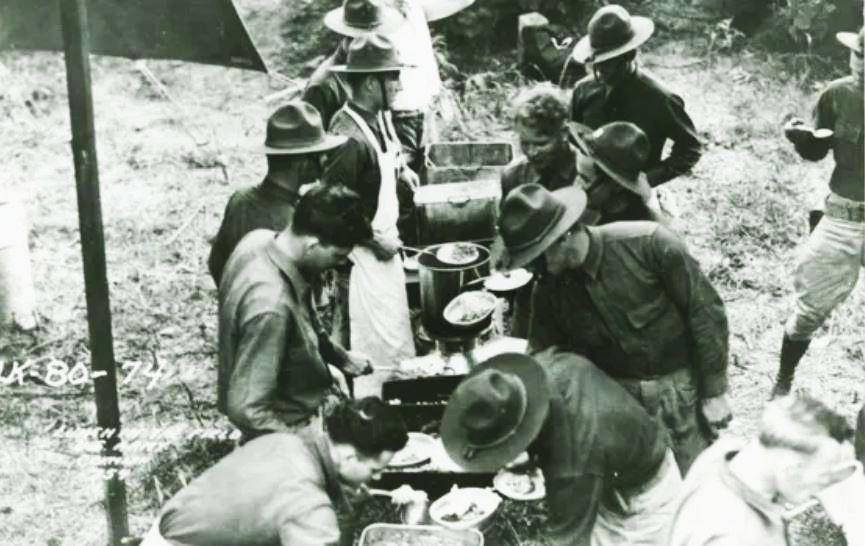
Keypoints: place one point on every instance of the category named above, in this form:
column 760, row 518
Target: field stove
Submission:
column 421, row 403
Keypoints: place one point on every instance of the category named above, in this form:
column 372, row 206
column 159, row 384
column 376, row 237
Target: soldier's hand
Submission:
column 357, row 364
column 717, row 412
column 796, row 131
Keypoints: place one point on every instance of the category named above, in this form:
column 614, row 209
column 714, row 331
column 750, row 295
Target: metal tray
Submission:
column 391, row 534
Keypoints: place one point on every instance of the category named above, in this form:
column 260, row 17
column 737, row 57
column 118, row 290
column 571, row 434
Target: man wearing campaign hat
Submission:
column 617, row 89
column 325, row 89
column 828, row 265
column 370, row 163
column 610, row 165
column 294, row 145
column 630, row 297
column 610, row 478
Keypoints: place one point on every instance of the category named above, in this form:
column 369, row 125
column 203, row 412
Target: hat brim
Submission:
column 639, row 187
column 455, row 438
column 574, row 200
column 849, row 40
column 391, row 20
column 329, row 142
column 643, row 30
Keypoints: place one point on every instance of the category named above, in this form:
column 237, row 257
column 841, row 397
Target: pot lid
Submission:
column 457, row 191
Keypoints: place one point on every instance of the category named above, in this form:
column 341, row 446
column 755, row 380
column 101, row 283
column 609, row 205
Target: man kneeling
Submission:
column 284, row 489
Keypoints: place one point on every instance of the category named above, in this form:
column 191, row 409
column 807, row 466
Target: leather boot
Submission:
column 791, row 353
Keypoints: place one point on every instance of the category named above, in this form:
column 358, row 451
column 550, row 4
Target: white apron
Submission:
column 377, row 302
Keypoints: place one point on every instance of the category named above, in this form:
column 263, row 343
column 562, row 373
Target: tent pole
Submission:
column 76, row 45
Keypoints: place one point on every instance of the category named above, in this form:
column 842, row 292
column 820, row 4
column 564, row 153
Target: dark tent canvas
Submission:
column 200, row 31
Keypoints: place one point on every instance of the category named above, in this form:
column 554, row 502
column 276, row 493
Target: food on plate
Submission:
column 504, row 281
column 463, row 513
column 457, row 253
column 521, row 484
column 469, row 307
column 524, row 486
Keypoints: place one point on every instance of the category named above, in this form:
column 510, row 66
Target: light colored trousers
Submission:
column 827, row 269
column 647, row 511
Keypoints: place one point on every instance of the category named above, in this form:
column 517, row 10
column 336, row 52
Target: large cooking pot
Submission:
column 440, row 282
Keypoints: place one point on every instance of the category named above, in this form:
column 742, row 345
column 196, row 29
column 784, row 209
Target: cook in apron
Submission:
column 377, row 301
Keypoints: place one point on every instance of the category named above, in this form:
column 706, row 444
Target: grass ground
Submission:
column 743, row 213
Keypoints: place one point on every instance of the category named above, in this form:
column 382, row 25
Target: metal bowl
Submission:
column 484, row 302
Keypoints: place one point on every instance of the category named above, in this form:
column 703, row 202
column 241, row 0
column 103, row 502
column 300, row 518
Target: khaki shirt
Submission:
column 277, row 490
column 273, row 374
column 718, row 509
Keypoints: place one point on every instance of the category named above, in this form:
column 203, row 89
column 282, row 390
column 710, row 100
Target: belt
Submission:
column 852, row 212
column 632, row 384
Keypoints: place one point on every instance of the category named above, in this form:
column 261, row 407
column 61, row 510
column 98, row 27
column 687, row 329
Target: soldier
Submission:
column 828, row 265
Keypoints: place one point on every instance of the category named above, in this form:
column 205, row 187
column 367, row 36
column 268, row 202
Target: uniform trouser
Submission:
column 673, row 401
column 827, row 269
column 645, row 512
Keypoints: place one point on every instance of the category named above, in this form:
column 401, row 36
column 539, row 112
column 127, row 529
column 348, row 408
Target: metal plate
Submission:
column 416, row 451
column 507, row 483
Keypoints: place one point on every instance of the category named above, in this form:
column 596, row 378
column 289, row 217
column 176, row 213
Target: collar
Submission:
column 279, row 192
column 285, row 264
column 758, row 502
column 592, row 263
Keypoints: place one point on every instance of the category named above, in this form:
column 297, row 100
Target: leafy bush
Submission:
column 808, row 25
column 491, row 25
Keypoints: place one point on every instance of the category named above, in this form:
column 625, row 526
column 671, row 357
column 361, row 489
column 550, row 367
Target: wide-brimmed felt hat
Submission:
column 296, row 128
column 533, row 218
column 496, row 412
column 852, row 40
column 358, row 17
column 612, row 32
column 621, row 150
column 371, row 53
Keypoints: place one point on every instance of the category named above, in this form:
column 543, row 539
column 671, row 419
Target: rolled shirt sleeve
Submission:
column 686, row 150
column 253, row 381
column 701, row 309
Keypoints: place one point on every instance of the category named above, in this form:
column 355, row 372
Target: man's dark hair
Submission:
column 797, row 422
column 368, row 424
column 333, row 214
